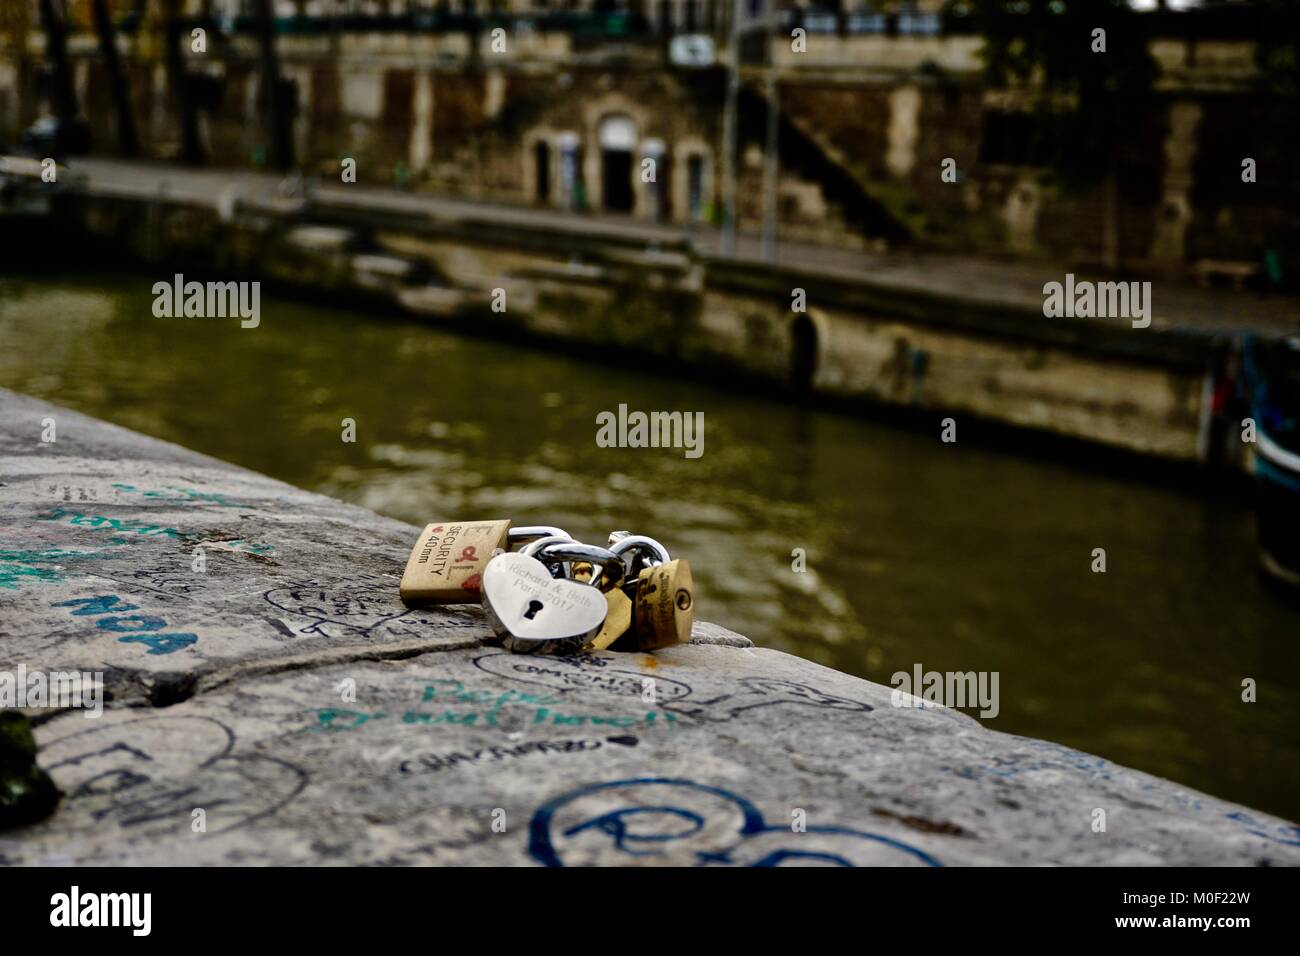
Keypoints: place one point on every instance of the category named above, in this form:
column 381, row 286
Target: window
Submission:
column 542, row 169
column 695, row 186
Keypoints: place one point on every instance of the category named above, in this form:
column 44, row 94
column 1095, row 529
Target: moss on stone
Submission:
column 27, row 794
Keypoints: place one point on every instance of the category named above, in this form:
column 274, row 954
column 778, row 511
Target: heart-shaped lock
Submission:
column 534, row 613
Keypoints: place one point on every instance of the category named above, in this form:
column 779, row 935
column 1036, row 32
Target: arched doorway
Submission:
column 803, row 354
column 618, row 138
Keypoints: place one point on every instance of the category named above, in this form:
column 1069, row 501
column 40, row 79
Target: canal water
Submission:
column 955, row 557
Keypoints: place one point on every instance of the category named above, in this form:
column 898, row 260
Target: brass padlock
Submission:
column 664, row 607
column 618, row 619
column 446, row 565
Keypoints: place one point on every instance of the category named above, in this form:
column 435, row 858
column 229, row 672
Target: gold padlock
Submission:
column 446, row 565
column 618, row 604
column 664, row 607
column 618, row 619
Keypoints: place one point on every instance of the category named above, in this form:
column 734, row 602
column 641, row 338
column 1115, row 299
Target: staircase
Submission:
column 801, row 152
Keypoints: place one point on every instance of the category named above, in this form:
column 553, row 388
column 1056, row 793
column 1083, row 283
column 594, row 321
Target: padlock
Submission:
column 664, row 606
column 618, row 618
column 447, row 563
column 533, row 612
column 618, row 615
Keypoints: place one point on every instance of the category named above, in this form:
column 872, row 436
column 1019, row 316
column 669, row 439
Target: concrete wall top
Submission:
column 314, row 719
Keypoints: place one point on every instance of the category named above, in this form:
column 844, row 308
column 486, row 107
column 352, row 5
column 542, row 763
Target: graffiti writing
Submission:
column 683, row 823
column 113, row 616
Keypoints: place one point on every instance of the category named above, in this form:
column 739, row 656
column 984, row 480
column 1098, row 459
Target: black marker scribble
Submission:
column 354, row 608
column 671, row 694
column 171, row 766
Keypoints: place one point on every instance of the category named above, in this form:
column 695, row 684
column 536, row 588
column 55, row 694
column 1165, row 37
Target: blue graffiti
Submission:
column 1010, row 765
column 690, row 822
column 122, row 623
column 1286, row 833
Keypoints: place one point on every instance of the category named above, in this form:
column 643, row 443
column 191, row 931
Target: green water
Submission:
column 956, row 557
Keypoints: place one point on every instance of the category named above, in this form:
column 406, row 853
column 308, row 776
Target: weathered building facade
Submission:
column 525, row 111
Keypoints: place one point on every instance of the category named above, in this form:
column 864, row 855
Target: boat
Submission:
column 1273, row 378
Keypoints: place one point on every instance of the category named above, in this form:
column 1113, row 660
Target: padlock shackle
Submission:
column 526, row 533
column 537, row 544
column 611, row 565
column 652, row 551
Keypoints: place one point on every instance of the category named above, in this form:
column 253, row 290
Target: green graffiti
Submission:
column 534, row 708
column 105, row 523
column 121, row 526
column 178, row 493
column 326, row 717
column 17, row 564
column 11, row 574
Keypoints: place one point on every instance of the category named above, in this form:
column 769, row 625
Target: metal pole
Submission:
column 278, row 120
column 770, row 166
column 191, row 146
column 127, row 143
column 16, row 19
column 729, row 125
column 64, row 95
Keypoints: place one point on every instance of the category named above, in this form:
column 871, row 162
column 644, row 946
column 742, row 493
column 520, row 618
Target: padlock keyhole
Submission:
column 533, row 607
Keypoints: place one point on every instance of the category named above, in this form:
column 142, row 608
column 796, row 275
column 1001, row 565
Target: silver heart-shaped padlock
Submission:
column 534, row 613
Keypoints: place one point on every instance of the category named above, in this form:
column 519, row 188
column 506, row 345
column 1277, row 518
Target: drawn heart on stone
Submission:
column 525, row 604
